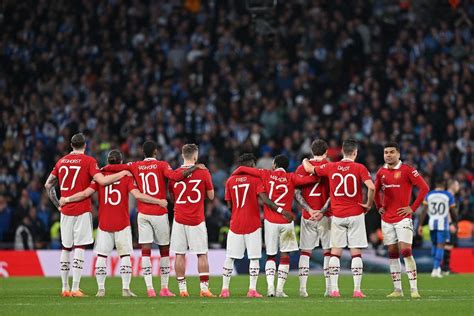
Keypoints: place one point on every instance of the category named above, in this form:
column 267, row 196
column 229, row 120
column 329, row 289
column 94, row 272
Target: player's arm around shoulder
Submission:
column 79, row 196
column 145, row 198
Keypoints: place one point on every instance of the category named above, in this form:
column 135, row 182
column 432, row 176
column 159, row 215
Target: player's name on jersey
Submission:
column 242, row 179
column 148, row 167
column 70, row 160
column 343, row 168
column 279, row 179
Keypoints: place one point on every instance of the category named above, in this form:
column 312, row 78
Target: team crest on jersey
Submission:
column 397, row 174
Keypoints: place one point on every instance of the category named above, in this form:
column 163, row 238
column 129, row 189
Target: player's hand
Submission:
column 420, row 230
column 289, row 216
column 127, row 173
column 405, row 211
column 453, row 228
column 201, row 166
column 366, row 206
column 62, row 202
column 316, row 215
column 381, row 211
column 163, row 203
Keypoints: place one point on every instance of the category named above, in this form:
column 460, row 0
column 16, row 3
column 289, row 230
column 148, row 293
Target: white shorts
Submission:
column 280, row 236
column 401, row 231
column 153, row 228
column 122, row 240
column 186, row 238
column 348, row 232
column 237, row 243
column 76, row 230
column 312, row 233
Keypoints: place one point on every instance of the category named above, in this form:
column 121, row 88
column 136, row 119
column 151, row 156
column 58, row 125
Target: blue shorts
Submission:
column 439, row 236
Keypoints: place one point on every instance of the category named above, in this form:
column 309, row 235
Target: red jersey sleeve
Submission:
column 299, row 180
column 301, row 171
column 227, row 192
column 364, row 173
column 55, row 171
column 208, row 181
column 417, row 180
column 131, row 185
column 94, row 186
column 323, row 170
column 93, row 167
column 260, row 187
column 170, row 173
column 249, row 171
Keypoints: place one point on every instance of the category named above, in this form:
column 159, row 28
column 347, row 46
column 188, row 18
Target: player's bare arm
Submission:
column 106, row 180
column 308, row 167
column 210, row 195
column 50, row 187
column 79, row 196
column 145, row 198
column 370, row 194
column 422, row 218
column 300, row 199
column 265, row 199
column 378, row 195
column 454, row 215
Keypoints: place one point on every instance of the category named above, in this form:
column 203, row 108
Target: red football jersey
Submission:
column 393, row 188
column 150, row 175
column 345, row 183
column 189, row 195
column 243, row 191
column 75, row 172
column 113, row 203
column 280, row 186
column 317, row 194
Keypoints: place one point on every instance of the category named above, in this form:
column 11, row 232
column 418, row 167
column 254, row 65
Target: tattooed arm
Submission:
column 301, row 201
column 50, row 187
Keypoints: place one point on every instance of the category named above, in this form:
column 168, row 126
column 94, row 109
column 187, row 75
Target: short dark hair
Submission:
column 114, row 157
column 439, row 182
column 349, row 146
column 78, row 141
column 188, row 150
column 149, row 148
column 281, row 161
column 319, row 147
column 246, row 159
column 392, row 144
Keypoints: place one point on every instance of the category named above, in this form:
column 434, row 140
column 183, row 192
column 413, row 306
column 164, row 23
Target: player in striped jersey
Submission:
column 438, row 203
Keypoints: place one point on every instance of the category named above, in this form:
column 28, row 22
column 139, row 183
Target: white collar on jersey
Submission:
column 348, row 159
column 76, row 152
column 149, row 159
column 281, row 169
column 399, row 164
column 317, row 159
column 186, row 166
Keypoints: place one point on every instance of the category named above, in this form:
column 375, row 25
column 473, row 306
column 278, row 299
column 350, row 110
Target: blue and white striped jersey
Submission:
column 439, row 202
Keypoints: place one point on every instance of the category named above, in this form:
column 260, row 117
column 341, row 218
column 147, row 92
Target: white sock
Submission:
column 182, row 284
column 126, row 272
column 147, row 275
column 101, row 272
column 270, row 269
column 282, row 275
column 357, row 268
column 227, row 272
column 410, row 267
column 77, row 266
column 326, row 273
column 254, row 270
column 396, row 272
column 165, row 271
column 334, row 267
column 204, row 281
column 303, row 271
column 65, row 266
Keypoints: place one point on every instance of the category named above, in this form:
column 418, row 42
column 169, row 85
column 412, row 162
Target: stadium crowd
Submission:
column 126, row 71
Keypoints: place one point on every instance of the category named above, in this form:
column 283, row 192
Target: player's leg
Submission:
column 308, row 241
column 198, row 244
column 434, row 243
column 123, row 243
column 253, row 243
column 338, row 241
column 67, row 241
column 145, row 239
column 357, row 239
column 271, row 244
column 404, row 230
column 324, row 232
column 161, row 232
column 288, row 244
column 438, row 258
column 449, row 245
column 104, row 244
column 391, row 241
column 235, row 250
column 179, row 245
column 82, row 238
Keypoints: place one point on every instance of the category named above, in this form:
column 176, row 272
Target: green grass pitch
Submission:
column 452, row 295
